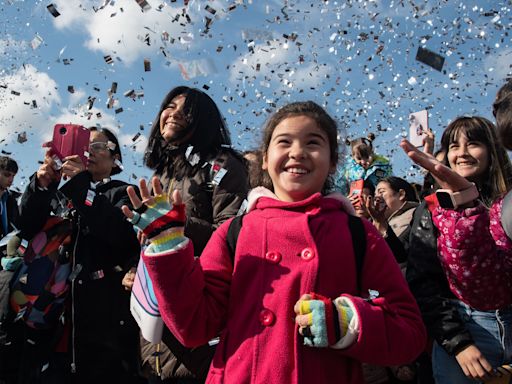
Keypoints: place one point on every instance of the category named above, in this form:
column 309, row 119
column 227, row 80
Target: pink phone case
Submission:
column 70, row 139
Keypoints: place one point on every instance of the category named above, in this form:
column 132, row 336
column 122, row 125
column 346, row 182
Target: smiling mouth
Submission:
column 175, row 124
column 297, row 171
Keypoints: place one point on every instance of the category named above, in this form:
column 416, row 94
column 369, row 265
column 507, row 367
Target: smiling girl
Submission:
column 286, row 304
column 463, row 288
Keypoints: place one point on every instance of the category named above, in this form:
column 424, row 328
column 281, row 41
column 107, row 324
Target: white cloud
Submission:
column 120, row 30
column 18, row 113
column 499, row 66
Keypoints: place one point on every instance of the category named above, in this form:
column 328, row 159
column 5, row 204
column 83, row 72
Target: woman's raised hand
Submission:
column 445, row 176
column 154, row 215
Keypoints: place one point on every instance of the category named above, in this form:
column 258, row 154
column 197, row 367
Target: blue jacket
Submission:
column 351, row 171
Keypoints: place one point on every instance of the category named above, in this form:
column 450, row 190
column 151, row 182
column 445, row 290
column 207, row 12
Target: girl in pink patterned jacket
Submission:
column 473, row 250
column 286, row 304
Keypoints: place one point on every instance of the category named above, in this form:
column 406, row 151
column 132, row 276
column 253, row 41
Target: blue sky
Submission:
column 357, row 58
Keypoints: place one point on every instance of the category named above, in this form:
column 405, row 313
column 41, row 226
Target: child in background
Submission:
column 363, row 163
column 286, row 304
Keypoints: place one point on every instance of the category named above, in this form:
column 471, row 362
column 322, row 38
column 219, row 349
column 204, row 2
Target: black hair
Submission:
column 116, row 151
column 370, row 186
column 209, row 134
column 322, row 119
column 397, row 183
column 8, row 164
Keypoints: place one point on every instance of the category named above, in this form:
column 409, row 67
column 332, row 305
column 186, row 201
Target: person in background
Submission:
column 9, row 211
column 286, row 311
column 99, row 339
column 363, row 163
column 189, row 149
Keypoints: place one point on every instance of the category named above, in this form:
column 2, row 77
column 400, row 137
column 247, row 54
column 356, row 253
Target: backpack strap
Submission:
column 356, row 226
column 232, row 236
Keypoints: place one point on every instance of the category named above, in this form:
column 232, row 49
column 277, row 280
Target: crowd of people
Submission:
column 285, row 264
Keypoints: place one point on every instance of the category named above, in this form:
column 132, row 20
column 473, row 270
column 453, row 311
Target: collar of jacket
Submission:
column 261, row 197
column 405, row 207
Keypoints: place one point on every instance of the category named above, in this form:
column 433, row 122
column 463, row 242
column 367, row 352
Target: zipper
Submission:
column 74, row 273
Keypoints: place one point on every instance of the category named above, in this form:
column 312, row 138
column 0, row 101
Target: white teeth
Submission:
column 297, row 170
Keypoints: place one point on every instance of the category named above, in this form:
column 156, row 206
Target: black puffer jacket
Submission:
column 104, row 337
column 430, row 287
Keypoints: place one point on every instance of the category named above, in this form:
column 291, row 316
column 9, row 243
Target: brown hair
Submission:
column 322, row 119
column 502, row 111
column 362, row 146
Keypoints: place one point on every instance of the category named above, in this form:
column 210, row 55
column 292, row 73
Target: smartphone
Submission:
column 356, row 189
column 418, row 127
column 70, row 139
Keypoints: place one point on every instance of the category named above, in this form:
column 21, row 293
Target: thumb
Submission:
column 176, row 197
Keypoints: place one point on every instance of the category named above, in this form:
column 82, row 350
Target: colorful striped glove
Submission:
column 323, row 322
column 161, row 222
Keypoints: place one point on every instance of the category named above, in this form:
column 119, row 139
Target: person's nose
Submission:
column 462, row 150
column 177, row 113
column 297, row 151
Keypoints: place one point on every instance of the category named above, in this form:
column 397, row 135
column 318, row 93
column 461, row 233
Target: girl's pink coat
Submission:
column 251, row 306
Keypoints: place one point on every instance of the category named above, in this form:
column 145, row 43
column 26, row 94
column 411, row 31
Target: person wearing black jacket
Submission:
column 189, row 149
column 9, row 212
column 101, row 335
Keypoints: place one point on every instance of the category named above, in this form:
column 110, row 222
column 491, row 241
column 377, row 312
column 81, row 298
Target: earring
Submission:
column 119, row 164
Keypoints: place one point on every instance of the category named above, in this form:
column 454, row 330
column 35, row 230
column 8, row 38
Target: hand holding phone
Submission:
column 418, row 127
column 69, row 140
column 356, row 191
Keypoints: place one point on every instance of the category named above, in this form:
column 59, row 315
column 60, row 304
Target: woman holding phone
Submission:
column 99, row 337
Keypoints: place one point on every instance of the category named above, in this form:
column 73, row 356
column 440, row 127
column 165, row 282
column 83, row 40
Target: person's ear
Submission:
column 264, row 162
column 401, row 195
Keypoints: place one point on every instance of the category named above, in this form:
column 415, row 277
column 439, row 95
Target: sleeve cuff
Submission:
column 353, row 327
column 164, row 249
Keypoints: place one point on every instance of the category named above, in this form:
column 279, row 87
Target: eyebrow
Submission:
column 310, row 135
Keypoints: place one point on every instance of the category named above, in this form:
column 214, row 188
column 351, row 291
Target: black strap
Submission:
column 357, row 232
column 232, row 236
column 356, row 226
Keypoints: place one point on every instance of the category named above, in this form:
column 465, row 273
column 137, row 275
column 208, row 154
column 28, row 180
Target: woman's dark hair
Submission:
column 116, row 151
column 397, row 183
column 498, row 178
column 322, row 119
column 209, row 134
column 362, row 146
column 502, row 111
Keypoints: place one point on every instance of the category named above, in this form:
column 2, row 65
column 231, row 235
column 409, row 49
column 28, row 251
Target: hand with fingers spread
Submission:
column 161, row 222
column 445, row 176
column 321, row 321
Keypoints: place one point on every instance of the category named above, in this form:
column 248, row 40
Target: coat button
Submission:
column 267, row 317
column 273, row 257
column 307, row 254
